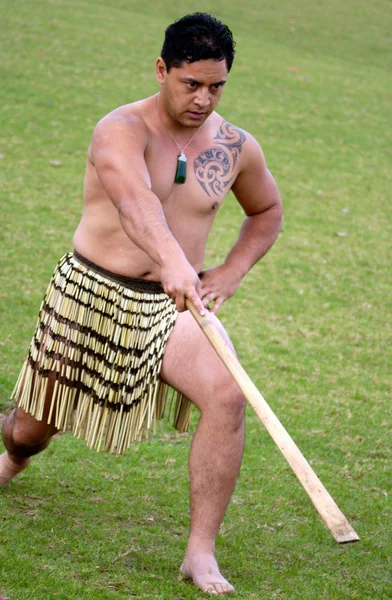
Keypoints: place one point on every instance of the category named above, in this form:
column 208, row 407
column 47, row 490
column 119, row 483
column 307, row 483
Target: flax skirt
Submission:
column 94, row 361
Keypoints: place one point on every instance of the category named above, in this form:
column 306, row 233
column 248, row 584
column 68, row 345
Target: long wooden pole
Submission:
column 326, row 506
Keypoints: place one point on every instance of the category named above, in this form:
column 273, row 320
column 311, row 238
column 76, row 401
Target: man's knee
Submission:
column 230, row 403
column 24, row 441
column 25, row 447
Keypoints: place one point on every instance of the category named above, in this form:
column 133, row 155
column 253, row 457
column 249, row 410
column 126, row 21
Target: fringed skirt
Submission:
column 94, row 361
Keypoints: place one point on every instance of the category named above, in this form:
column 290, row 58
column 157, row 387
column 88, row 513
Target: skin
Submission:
column 137, row 222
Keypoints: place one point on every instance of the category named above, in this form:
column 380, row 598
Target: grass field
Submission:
column 311, row 323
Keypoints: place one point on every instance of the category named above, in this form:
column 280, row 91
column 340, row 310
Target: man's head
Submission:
column 195, row 37
column 196, row 57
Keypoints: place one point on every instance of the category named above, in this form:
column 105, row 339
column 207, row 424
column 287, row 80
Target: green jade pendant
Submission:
column 181, row 169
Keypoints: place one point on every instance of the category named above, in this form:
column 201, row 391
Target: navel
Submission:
column 215, row 206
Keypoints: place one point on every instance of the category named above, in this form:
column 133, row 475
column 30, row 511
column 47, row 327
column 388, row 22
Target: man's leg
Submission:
column 191, row 366
column 24, row 436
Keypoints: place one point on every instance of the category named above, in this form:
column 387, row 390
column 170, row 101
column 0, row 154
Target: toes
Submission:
column 206, row 576
column 218, row 589
column 210, row 590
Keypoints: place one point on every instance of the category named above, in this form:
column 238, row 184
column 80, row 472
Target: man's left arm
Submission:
column 257, row 192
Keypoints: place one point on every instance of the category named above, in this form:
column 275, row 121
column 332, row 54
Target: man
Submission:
column 109, row 334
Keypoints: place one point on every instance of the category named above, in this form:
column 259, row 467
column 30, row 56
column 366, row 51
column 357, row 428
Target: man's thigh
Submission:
column 191, row 365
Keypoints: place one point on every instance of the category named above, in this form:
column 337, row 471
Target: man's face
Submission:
column 192, row 91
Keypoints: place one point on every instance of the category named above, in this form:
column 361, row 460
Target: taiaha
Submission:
column 326, row 506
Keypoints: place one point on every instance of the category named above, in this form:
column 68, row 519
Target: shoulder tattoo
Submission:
column 214, row 167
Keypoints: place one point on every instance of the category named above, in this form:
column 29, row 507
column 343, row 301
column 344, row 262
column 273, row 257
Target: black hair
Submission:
column 198, row 36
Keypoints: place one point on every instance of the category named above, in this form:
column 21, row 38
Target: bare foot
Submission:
column 9, row 468
column 204, row 572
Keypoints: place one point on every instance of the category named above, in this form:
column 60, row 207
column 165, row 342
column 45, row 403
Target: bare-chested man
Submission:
column 139, row 223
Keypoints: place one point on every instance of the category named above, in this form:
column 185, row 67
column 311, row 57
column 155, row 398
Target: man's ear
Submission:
column 161, row 71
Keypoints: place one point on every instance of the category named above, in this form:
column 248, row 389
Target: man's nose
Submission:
column 203, row 97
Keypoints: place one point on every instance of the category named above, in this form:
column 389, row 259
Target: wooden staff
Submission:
column 329, row 511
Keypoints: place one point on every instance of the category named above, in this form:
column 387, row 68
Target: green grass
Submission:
column 311, row 322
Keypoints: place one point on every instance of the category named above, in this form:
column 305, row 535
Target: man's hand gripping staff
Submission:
column 180, row 281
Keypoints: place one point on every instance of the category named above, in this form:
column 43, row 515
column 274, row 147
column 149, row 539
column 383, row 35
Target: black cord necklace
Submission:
column 180, row 176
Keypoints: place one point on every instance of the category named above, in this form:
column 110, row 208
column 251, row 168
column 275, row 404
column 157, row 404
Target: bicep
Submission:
column 255, row 187
column 118, row 155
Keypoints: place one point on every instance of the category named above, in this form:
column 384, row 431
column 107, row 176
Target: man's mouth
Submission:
column 196, row 114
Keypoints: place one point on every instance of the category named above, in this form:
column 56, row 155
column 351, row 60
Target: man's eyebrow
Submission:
column 193, row 80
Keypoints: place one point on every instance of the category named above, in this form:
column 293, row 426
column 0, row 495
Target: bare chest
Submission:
column 211, row 168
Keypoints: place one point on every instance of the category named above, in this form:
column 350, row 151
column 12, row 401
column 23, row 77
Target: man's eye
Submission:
column 193, row 84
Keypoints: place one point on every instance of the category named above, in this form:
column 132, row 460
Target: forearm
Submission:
column 144, row 222
column 257, row 235
column 128, row 185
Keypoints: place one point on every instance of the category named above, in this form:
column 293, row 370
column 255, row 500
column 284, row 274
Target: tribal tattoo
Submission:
column 214, row 167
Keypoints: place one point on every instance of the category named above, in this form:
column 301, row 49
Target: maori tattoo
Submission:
column 214, row 167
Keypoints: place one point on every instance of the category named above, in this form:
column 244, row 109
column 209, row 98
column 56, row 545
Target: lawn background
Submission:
column 311, row 323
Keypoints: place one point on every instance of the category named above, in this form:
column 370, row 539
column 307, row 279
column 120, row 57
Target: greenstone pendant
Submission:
column 181, row 169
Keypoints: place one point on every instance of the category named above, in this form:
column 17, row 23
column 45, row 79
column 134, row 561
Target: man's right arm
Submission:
column 117, row 148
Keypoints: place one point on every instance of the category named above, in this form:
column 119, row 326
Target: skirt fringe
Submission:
column 94, row 361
